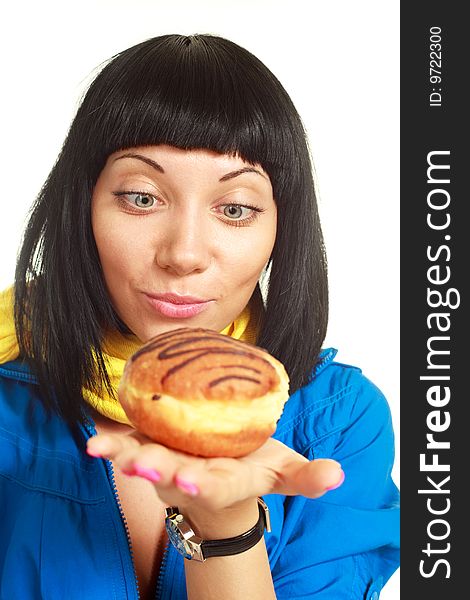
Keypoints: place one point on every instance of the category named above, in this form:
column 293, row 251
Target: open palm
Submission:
column 217, row 483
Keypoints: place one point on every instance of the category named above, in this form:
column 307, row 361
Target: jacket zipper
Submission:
column 110, row 470
column 158, row 592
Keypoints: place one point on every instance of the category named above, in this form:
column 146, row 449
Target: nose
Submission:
column 184, row 246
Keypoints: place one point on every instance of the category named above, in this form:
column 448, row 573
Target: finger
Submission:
column 151, row 461
column 310, row 479
column 161, row 465
column 109, row 445
column 218, row 483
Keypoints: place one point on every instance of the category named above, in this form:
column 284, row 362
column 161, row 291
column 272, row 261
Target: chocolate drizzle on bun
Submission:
column 217, row 396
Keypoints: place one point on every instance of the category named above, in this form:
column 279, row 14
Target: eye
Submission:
column 141, row 200
column 235, row 211
column 239, row 215
column 136, row 200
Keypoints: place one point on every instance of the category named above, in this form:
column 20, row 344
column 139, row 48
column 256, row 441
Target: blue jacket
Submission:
column 62, row 533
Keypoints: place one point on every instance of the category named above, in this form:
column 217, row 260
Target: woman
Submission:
column 184, row 180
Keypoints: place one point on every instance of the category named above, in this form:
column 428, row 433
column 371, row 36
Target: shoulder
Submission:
column 23, row 416
column 338, row 399
column 38, row 450
column 17, row 388
column 16, row 392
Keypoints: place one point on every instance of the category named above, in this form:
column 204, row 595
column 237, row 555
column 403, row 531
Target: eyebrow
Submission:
column 160, row 169
column 238, row 172
column 144, row 159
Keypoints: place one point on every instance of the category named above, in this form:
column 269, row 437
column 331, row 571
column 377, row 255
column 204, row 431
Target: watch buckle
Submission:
column 267, row 518
column 196, row 550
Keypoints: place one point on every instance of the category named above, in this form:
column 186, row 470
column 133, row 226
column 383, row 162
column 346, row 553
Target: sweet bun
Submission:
column 204, row 393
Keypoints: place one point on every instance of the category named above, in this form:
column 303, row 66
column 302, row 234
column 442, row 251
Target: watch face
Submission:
column 177, row 539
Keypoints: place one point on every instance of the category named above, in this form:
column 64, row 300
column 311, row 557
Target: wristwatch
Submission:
column 192, row 547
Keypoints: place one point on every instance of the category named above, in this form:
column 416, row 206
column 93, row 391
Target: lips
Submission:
column 175, row 306
column 177, row 299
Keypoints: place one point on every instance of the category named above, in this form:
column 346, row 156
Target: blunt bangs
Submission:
column 190, row 92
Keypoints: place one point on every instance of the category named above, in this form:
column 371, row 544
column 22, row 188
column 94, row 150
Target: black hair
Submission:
column 191, row 92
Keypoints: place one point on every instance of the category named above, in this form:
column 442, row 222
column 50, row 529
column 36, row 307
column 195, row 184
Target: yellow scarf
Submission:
column 117, row 348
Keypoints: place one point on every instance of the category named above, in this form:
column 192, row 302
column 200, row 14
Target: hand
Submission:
column 217, row 483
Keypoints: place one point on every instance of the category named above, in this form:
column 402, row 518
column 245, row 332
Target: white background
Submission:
column 339, row 61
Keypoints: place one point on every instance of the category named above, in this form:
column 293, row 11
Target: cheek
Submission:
column 120, row 252
column 244, row 260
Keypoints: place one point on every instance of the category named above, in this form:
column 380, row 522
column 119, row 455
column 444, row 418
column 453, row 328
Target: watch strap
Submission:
column 239, row 543
column 191, row 546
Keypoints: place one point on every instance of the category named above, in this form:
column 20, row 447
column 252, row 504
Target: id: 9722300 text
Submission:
column 435, row 65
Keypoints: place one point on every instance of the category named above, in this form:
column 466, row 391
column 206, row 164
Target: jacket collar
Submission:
column 18, row 369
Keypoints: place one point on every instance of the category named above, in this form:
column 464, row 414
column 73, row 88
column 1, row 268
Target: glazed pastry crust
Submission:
column 204, row 393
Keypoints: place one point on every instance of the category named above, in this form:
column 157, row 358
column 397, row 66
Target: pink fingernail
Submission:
column 147, row 473
column 187, row 486
column 93, row 453
column 333, row 487
column 129, row 472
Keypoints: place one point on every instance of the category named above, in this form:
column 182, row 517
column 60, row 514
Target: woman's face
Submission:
column 182, row 236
